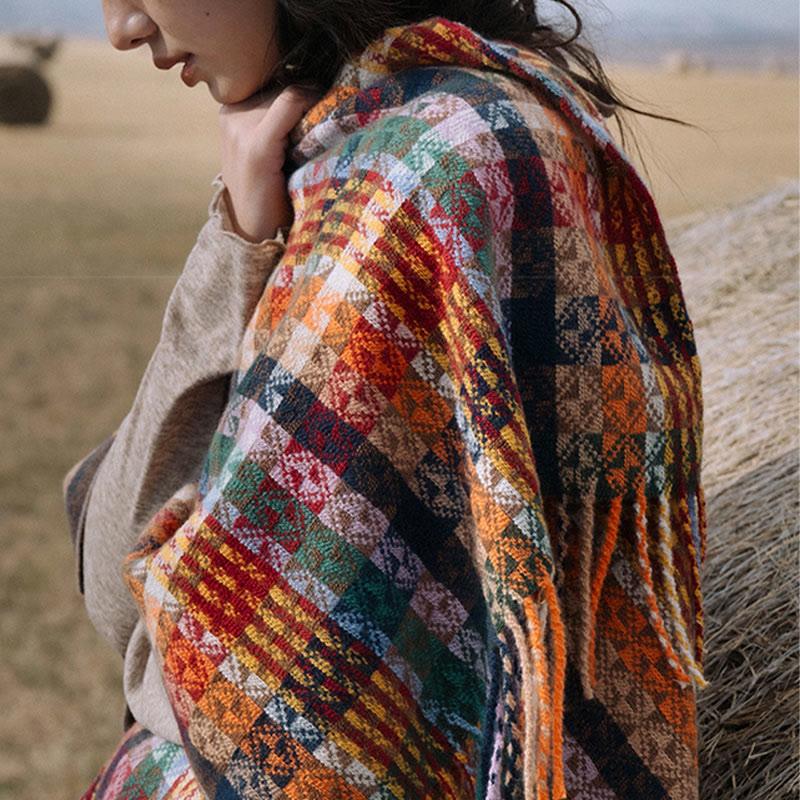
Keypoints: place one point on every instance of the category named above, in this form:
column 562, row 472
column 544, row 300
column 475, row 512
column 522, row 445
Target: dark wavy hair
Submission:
column 316, row 37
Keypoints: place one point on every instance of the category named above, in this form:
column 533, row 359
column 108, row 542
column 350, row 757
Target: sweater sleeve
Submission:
column 161, row 444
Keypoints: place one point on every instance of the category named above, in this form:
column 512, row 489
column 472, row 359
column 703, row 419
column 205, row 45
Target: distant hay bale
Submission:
column 25, row 97
column 775, row 67
column 740, row 274
column 679, row 62
column 42, row 47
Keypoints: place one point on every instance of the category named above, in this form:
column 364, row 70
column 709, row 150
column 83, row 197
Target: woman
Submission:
column 408, row 502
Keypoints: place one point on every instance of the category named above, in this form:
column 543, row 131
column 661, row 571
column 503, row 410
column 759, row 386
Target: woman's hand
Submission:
column 254, row 136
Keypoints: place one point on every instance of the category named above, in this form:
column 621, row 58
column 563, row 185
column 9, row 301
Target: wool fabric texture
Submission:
column 448, row 537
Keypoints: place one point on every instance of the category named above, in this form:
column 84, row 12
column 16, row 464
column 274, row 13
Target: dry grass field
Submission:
column 97, row 212
column 745, row 138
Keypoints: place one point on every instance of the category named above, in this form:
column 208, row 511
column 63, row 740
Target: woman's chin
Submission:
column 220, row 96
column 229, row 93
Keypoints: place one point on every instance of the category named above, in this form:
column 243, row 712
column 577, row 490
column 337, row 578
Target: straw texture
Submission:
column 740, row 273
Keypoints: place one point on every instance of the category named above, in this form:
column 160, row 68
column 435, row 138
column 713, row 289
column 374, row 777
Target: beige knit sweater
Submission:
column 161, row 443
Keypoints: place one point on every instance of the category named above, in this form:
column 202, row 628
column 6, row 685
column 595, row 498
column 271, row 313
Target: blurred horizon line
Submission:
column 641, row 36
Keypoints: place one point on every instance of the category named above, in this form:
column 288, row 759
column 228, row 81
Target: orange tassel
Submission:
column 664, row 553
column 600, row 574
column 650, row 591
column 688, row 538
column 544, row 727
column 559, row 679
column 586, row 621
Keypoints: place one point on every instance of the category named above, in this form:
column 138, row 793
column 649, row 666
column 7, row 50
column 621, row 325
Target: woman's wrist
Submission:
column 256, row 228
column 221, row 209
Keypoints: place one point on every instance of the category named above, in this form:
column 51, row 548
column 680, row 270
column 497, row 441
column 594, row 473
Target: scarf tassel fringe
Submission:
column 527, row 762
column 655, row 560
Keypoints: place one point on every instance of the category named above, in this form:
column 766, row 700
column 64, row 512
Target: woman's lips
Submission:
column 189, row 72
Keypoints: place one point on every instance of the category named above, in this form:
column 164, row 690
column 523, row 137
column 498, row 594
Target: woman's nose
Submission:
column 127, row 25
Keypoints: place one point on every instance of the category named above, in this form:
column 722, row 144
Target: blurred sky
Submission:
column 731, row 20
column 760, row 15
column 728, row 19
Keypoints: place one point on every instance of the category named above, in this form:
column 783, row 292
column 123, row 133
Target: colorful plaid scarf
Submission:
column 457, row 479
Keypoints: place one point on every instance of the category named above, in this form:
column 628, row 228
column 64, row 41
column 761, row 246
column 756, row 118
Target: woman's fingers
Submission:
column 285, row 110
column 267, row 119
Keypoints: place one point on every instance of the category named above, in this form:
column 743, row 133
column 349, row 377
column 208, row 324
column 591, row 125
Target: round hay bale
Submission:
column 43, row 48
column 25, row 97
column 775, row 67
column 748, row 713
column 679, row 62
column 740, row 268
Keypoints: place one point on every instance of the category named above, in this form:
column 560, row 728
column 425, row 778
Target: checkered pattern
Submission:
column 146, row 766
column 472, row 370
